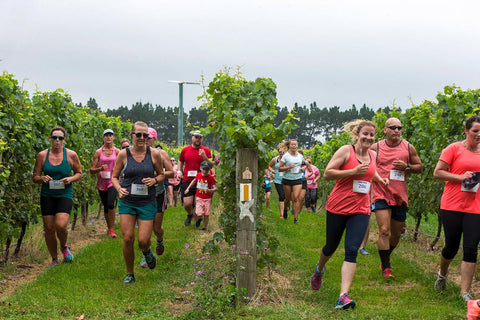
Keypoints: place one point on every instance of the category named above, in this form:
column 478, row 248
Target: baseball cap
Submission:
column 205, row 164
column 197, row 133
column 152, row 133
column 107, row 131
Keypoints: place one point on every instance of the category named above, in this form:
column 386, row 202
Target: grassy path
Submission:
column 92, row 285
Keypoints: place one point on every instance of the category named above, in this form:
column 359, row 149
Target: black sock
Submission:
column 391, row 249
column 384, row 258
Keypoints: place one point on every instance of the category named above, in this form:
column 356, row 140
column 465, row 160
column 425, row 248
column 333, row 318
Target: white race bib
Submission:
column 56, row 184
column 474, row 189
column 139, row 189
column 192, row 173
column 105, row 174
column 397, row 175
column 202, row 186
column 295, row 169
column 310, row 181
column 360, row 186
column 280, row 174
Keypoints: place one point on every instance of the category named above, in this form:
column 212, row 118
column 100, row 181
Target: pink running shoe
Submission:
column 473, row 310
column 111, row 233
column 316, row 279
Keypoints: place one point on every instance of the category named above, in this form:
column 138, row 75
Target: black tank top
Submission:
column 133, row 174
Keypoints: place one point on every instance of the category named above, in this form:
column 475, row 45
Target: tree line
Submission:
column 315, row 125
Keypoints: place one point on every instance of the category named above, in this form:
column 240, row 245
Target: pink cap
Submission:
column 152, row 133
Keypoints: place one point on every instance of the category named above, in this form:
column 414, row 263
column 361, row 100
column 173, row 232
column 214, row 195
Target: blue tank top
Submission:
column 54, row 188
column 133, row 174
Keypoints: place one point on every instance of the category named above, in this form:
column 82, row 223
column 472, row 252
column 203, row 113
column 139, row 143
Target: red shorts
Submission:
column 202, row 206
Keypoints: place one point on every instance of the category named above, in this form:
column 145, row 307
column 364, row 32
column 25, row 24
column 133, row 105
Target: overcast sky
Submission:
column 334, row 52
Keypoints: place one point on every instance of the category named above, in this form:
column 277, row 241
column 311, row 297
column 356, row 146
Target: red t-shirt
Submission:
column 204, row 183
column 351, row 195
column 454, row 197
column 396, row 192
column 192, row 160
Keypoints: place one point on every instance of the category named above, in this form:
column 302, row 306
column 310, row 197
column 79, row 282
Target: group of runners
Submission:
column 368, row 177
column 136, row 174
column 372, row 176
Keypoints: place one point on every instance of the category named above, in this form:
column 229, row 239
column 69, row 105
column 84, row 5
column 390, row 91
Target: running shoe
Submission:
column 441, row 282
column 473, row 310
column 53, row 263
column 344, row 302
column 150, row 259
column 387, row 273
column 143, row 263
column 67, row 255
column 316, row 279
column 466, row 296
column 129, row 279
column 285, row 213
column 295, row 220
column 314, row 209
column 160, row 248
column 364, row 251
column 188, row 220
column 198, row 221
column 111, row 233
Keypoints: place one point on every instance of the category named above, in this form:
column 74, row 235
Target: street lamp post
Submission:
column 180, row 108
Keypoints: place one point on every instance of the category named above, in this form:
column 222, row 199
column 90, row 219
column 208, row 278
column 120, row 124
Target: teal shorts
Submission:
column 147, row 212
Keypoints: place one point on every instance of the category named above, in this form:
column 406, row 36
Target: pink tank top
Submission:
column 396, row 192
column 104, row 180
column 351, row 195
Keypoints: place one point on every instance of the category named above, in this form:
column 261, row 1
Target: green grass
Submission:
column 92, row 284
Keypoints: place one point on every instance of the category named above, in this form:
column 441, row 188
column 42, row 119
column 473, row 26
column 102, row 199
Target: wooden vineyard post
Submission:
column 246, row 184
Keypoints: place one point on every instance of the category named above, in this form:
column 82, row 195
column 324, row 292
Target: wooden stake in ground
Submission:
column 246, row 184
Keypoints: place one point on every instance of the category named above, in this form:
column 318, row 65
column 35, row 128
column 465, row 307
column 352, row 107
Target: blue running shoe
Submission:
column 67, row 255
column 344, row 302
column 129, row 279
column 143, row 263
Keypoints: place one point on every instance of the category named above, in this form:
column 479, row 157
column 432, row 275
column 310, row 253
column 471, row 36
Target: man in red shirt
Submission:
column 188, row 166
column 396, row 158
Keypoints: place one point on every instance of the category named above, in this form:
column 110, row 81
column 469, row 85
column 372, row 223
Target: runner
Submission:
column 142, row 168
column 290, row 164
column 173, row 185
column 277, row 179
column 396, row 158
column 459, row 167
column 102, row 165
column 188, row 166
column 56, row 197
column 312, row 174
column 348, row 206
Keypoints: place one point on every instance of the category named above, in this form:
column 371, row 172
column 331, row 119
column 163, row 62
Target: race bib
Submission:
column 473, row 189
column 56, row 184
column 105, row 174
column 202, row 186
column 280, row 174
column 360, row 186
column 310, row 181
column 192, row 173
column 397, row 175
column 295, row 170
column 139, row 189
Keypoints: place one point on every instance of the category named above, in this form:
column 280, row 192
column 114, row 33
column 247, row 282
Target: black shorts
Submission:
column 50, row 206
column 304, row 184
column 108, row 198
column 291, row 182
column 175, row 188
column 399, row 213
column 161, row 203
column 191, row 192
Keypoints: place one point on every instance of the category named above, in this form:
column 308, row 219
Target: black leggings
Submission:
column 281, row 193
column 454, row 224
column 354, row 225
column 311, row 197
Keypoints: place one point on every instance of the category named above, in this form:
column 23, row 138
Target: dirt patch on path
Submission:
column 32, row 260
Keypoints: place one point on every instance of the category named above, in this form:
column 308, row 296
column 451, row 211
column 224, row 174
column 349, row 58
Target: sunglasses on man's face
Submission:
column 139, row 135
column 395, row 127
column 57, row 137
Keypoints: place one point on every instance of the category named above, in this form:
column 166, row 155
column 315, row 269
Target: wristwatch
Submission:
column 407, row 168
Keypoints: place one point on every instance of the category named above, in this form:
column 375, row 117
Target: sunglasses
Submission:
column 139, row 135
column 395, row 127
column 125, row 147
column 57, row 137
